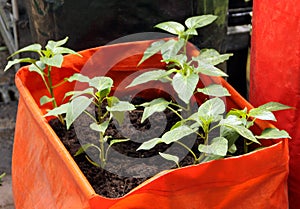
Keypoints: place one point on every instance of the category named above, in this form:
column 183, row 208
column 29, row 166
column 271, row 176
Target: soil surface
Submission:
column 126, row 168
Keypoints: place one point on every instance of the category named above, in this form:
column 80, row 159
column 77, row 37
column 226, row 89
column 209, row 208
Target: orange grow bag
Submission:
column 45, row 175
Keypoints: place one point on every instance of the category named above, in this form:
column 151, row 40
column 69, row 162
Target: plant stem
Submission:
column 102, row 150
column 186, row 147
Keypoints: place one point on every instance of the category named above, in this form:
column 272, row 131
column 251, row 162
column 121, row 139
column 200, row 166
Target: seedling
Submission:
column 98, row 94
column 51, row 56
column 183, row 72
column 1, row 177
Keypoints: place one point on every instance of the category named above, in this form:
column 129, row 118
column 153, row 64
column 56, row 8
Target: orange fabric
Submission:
column 275, row 73
column 45, row 176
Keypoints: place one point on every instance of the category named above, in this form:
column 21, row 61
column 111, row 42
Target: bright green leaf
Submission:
column 148, row 76
column 17, row 61
column 171, row 48
column 76, row 107
column 45, row 99
column 185, row 86
column 214, row 90
column 154, row 48
column 170, row 157
column 101, row 83
column 262, row 114
column 171, row 27
column 273, row 133
column 200, row 21
column 58, row 110
column 115, row 141
column 55, row 61
column 78, row 77
column 150, row 144
column 31, row 48
column 51, row 45
column 218, row 146
column 176, row 134
column 156, row 105
column 211, row 110
column 100, row 127
column 274, row 106
column 209, row 69
column 212, row 56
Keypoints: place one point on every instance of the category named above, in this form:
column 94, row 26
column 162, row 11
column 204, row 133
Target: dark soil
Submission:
column 126, row 168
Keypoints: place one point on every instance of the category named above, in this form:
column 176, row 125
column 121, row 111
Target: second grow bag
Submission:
column 45, row 175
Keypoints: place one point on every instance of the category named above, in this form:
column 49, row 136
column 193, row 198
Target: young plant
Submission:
column 51, row 56
column 97, row 94
column 183, row 74
column 1, row 177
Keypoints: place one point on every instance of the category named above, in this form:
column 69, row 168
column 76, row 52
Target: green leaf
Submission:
column 273, row 133
column 100, row 127
column 58, row 110
column 209, row 69
column 17, row 61
column 200, row 21
column 274, row 106
column 211, row 110
column 212, row 56
column 45, row 99
column 185, row 86
column 55, row 61
column 241, row 130
column 156, row 105
column 148, row 76
column 101, row 83
column 176, row 134
column 78, row 77
column 121, row 106
column 118, row 109
column 171, row 27
column 154, row 48
column 76, row 107
column 171, row 48
column 214, row 90
column 115, row 141
column 64, row 50
column 84, row 147
column 170, row 157
column 149, row 144
column 262, row 114
column 31, row 48
column 51, row 45
column 75, row 94
column 218, row 146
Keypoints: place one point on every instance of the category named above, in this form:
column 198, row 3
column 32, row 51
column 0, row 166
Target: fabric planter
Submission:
column 45, row 175
column 275, row 73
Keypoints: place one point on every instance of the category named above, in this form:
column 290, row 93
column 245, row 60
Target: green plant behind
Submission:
column 183, row 72
column 51, row 56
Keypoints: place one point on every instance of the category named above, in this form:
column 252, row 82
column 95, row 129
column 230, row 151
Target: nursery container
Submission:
column 46, row 176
